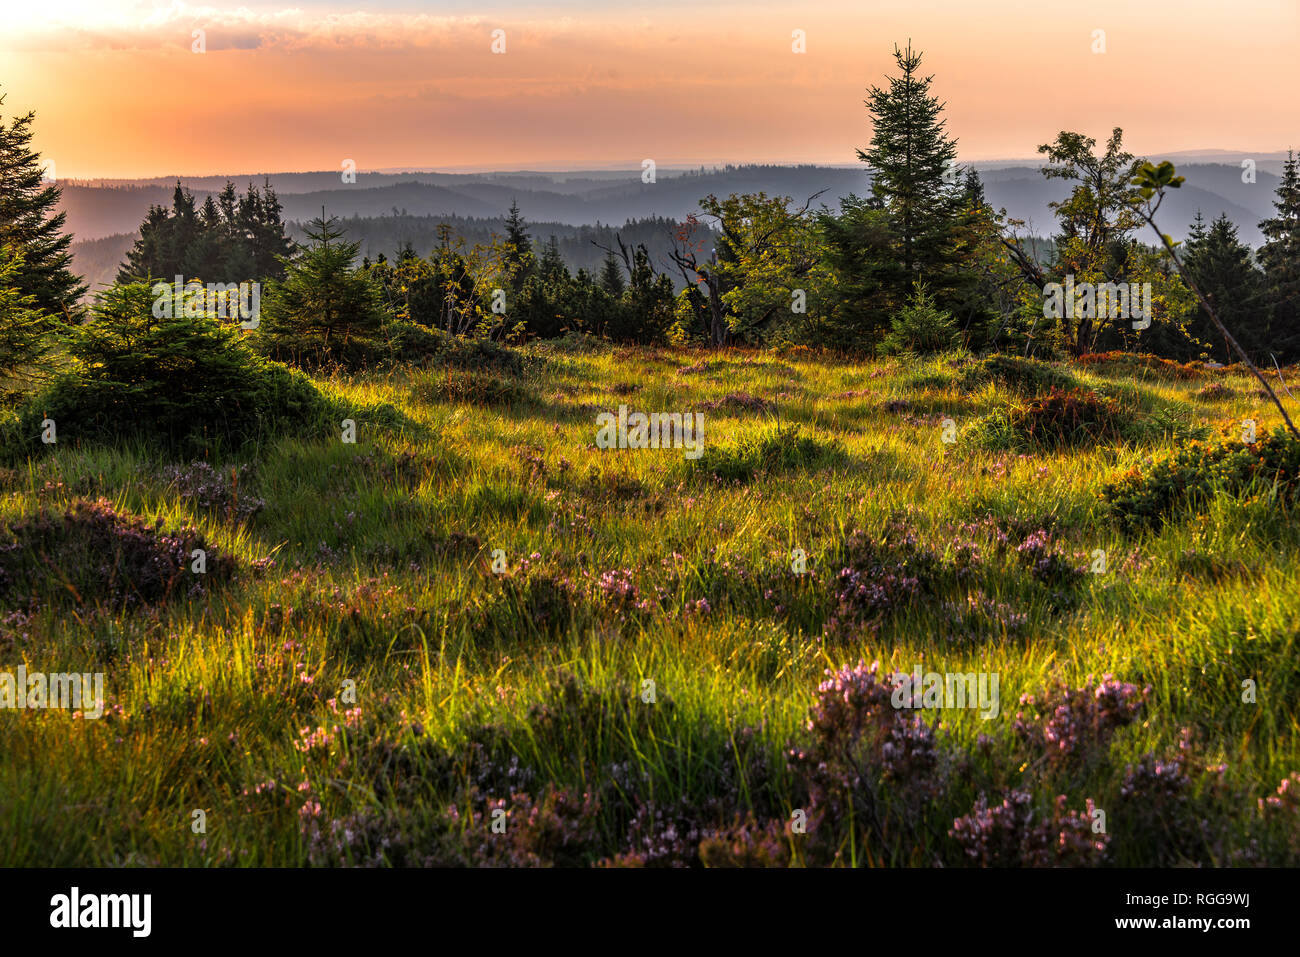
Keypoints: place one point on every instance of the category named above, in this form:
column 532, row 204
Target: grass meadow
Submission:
column 471, row 637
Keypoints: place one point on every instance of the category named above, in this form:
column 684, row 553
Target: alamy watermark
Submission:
column 1115, row 300
column 67, row 690
column 215, row 300
column 948, row 690
column 656, row 430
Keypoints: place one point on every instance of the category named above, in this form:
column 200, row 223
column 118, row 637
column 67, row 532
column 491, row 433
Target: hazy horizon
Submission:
column 383, row 83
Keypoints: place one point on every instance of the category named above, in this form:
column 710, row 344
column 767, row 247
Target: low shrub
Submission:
column 1021, row 376
column 1189, row 477
column 1058, row 419
column 478, row 386
column 777, row 450
column 93, row 555
column 1140, row 365
column 184, row 383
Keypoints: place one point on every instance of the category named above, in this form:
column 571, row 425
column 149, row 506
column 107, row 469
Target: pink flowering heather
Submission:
column 1014, row 833
column 1071, row 723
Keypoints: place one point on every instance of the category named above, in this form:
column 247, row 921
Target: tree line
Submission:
column 923, row 262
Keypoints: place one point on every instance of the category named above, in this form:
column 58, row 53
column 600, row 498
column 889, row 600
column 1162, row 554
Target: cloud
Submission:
column 173, row 26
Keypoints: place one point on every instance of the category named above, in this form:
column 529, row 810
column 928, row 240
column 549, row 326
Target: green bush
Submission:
column 920, row 327
column 1058, row 419
column 185, row 383
column 1192, row 474
column 480, row 354
column 774, row 451
column 1022, row 376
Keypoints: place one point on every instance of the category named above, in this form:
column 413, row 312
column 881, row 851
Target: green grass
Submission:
column 627, row 567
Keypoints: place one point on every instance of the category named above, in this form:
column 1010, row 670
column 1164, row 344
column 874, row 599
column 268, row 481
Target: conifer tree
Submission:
column 909, row 155
column 552, row 267
column 29, row 223
column 611, row 275
column 325, row 309
column 1280, row 258
column 23, row 329
column 519, row 259
column 1222, row 267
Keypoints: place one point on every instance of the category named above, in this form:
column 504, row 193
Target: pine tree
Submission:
column 29, row 223
column 1222, row 268
column 1280, row 258
column 611, row 275
column 23, row 329
column 325, row 309
column 909, row 155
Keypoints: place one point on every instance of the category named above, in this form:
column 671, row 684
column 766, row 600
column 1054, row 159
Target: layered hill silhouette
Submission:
column 386, row 209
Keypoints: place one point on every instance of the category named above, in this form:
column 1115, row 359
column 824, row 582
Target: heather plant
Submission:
column 1160, row 816
column 93, row 555
column 1047, row 563
column 226, row 492
column 1067, row 726
column 1018, row 375
column 653, row 646
column 885, row 574
column 476, row 386
column 773, row 451
column 1140, row 365
column 1215, row 392
column 874, row 772
column 1058, row 419
column 1016, row 833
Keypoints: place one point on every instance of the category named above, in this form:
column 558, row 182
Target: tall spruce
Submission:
column 519, row 259
column 1222, row 267
column 910, row 154
column 1280, row 258
column 30, row 225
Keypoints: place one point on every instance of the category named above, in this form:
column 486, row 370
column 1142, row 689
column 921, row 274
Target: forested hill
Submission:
column 385, row 210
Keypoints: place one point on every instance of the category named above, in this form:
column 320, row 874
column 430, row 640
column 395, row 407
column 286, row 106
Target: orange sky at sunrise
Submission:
column 119, row 92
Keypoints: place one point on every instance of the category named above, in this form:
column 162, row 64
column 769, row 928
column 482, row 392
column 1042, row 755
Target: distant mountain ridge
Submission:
column 105, row 216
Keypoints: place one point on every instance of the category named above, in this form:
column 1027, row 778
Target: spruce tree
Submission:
column 29, row 223
column 909, row 154
column 23, row 329
column 519, row 259
column 1280, row 258
column 611, row 275
column 325, row 309
column 1222, row 268
column 552, row 267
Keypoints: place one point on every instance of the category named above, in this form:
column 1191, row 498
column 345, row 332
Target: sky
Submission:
column 121, row 90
